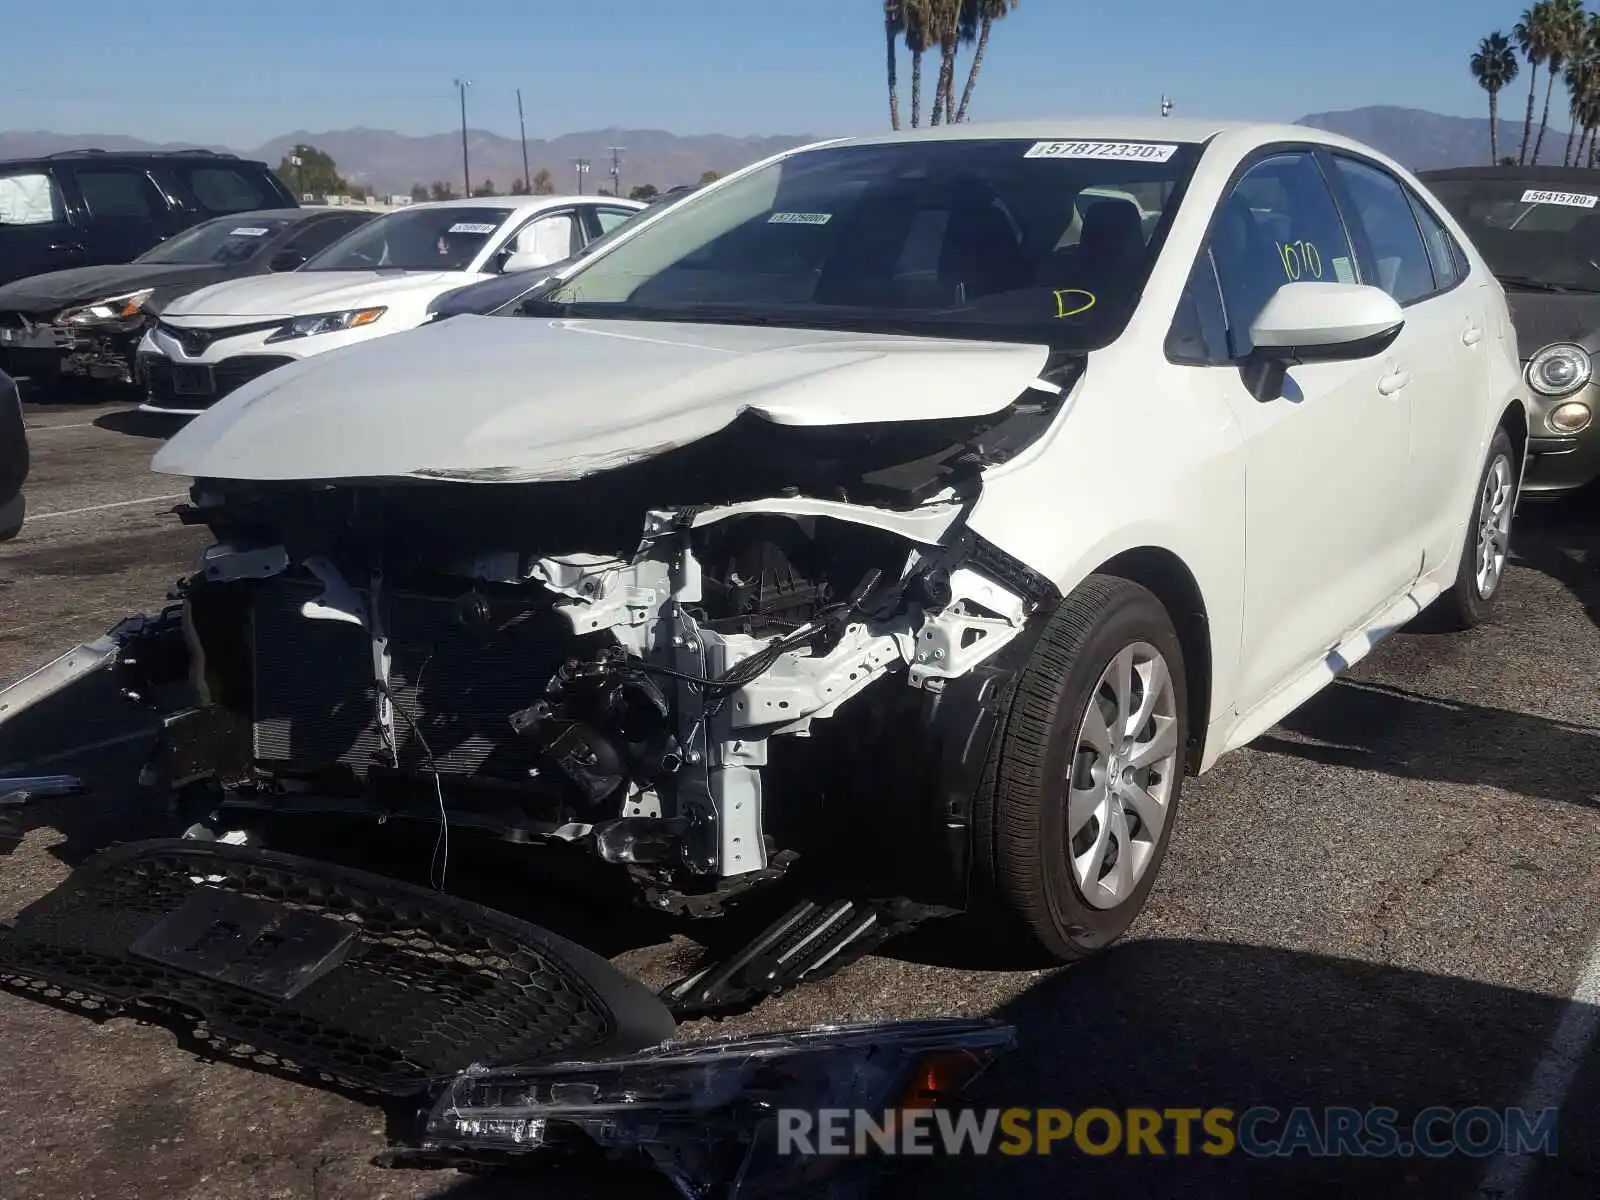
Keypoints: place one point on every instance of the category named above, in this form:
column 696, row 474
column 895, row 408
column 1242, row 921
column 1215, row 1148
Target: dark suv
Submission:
column 84, row 208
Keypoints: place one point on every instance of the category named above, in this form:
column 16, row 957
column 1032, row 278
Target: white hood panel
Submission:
column 508, row 399
column 306, row 293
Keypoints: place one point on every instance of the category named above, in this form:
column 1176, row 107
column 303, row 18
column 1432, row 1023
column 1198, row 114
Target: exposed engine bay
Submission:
column 579, row 662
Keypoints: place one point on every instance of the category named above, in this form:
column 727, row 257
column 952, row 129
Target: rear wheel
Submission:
column 1471, row 599
column 1078, row 804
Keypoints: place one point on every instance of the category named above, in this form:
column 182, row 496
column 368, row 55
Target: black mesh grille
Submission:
column 430, row 984
column 229, row 375
column 315, row 698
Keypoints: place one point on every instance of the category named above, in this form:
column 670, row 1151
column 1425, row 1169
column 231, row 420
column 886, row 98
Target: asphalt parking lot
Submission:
column 1389, row 900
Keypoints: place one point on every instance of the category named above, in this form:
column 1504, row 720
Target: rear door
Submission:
column 125, row 212
column 1406, row 250
column 37, row 233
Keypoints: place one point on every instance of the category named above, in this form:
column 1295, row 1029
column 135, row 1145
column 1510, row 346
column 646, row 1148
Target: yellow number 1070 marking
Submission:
column 1300, row 260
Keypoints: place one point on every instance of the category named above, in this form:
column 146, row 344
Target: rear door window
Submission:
column 1405, row 269
column 227, row 188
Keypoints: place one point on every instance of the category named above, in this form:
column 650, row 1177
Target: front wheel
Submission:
column 1471, row 599
column 1079, row 801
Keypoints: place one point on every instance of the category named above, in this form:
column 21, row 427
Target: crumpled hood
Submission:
column 51, row 292
column 304, row 293
column 527, row 400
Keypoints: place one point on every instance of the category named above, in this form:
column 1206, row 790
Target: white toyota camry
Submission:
column 922, row 507
column 376, row 281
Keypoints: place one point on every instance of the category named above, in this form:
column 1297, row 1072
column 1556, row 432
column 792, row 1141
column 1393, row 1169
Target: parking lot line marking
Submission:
column 1563, row 1055
column 48, row 428
column 18, row 768
column 76, row 512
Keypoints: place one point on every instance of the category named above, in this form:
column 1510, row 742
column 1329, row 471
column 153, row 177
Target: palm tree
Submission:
column 985, row 13
column 917, row 18
column 1533, row 36
column 945, row 16
column 1567, row 25
column 1494, row 66
column 1576, row 73
column 894, row 24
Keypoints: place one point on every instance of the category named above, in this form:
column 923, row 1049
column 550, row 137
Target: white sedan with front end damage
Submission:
column 378, row 280
column 913, row 511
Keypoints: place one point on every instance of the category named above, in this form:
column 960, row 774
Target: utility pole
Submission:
column 1166, row 107
column 582, row 166
column 527, row 184
column 297, row 162
column 466, row 170
column 616, row 169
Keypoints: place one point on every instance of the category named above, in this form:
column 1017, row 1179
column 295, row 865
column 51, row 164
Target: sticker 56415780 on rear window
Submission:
column 1570, row 199
column 1158, row 152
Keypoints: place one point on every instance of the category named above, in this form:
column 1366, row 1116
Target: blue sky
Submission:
column 204, row 70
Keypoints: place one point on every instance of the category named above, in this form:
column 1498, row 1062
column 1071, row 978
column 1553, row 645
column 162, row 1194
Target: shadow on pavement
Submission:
column 1378, row 727
column 140, row 424
column 1187, row 1024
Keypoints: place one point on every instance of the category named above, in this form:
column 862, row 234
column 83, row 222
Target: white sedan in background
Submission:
column 378, row 280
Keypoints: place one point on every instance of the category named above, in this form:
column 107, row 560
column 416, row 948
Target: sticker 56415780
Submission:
column 472, row 227
column 1570, row 199
column 1158, row 152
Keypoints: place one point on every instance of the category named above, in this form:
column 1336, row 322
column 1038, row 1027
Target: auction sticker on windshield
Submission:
column 1142, row 151
column 249, row 231
column 781, row 218
column 1570, row 199
column 471, row 227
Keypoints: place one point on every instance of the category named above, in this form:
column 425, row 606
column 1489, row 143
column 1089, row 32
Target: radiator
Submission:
column 314, row 694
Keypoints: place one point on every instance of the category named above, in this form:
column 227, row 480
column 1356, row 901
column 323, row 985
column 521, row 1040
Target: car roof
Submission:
column 1537, row 174
column 95, row 154
column 272, row 214
column 517, row 202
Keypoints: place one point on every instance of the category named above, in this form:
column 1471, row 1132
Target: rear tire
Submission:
column 1480, row 575
column 1079, row 798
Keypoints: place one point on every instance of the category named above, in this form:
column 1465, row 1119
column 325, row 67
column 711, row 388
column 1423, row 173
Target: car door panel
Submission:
column 1325, row 455
column 1441, row 346
column 37, row 232
column 126, row 212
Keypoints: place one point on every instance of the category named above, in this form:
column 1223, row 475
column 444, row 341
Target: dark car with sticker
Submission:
column 87, row 322
column 1539, row 230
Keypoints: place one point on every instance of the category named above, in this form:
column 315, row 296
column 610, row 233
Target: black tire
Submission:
column 1464, row 605
column 1028, row 893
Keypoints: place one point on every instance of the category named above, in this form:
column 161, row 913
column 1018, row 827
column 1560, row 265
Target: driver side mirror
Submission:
column 1325, row 322
column 287, row 260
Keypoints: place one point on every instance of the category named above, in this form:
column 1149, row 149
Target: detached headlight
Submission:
column 1559, row 369
column 113, row 310
column 352, row 318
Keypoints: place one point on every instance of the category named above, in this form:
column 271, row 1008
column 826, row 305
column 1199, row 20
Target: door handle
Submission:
column 1472, row 335
column 64, row 247
column 1393, row 382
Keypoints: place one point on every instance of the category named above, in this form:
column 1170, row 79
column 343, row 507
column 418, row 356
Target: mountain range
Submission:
column 390, row 162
